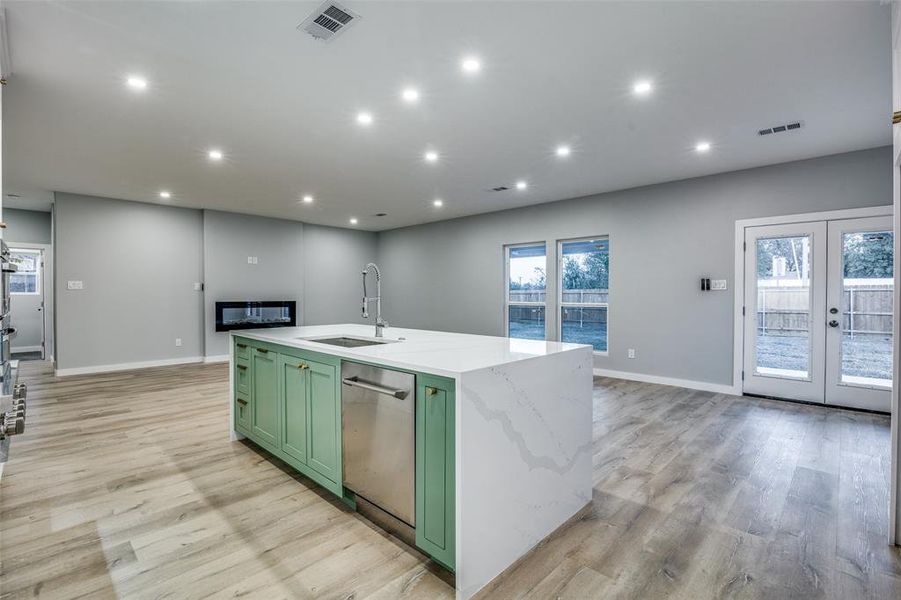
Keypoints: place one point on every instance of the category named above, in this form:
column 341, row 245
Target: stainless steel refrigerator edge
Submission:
column 378, row 437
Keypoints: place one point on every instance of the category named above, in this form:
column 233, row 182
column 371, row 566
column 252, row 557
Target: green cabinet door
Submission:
column 264, row 397
column 293, row 387
column 324, row 442
column 435, row 460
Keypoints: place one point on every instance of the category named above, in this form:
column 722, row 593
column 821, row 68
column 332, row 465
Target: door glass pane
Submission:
column 866, row 319
column 526, row 322
column 783, row 307
column 526, row 291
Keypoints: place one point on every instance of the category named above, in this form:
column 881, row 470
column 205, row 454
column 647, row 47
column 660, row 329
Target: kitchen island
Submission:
column 503, row 429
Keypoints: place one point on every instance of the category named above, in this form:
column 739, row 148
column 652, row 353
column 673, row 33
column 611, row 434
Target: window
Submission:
column 526, row 267
column 27, row 278
column 584, row 278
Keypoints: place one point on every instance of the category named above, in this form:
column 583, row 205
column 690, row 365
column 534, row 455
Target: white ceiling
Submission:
column 239, row 76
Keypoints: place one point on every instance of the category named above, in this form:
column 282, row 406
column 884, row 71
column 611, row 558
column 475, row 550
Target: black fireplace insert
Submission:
column 255, row 315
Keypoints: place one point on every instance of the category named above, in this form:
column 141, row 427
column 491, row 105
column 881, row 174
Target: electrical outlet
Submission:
column 631, row 352
column 178, row 342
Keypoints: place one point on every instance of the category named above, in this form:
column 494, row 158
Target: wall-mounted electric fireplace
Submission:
column 255, row 315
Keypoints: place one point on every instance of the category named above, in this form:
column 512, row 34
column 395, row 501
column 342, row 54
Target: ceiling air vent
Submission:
column 780, row 128
column 328, row 21
column 500, row 188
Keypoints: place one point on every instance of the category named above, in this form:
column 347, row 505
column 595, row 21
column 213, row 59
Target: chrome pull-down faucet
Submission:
column 380, row 323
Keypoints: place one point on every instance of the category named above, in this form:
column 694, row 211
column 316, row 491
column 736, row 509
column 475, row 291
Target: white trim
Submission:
column 15, row 349
column 216, row 358
column 127, row 366
column 704, row 386
column 738, row 287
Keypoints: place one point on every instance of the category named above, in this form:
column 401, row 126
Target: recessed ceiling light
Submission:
column 165, row 195
column 438, row 202
column 136, row 82
column 702, row 147
column 431, row 156
column 353, row 220
column 215, row 154
column 410, row 95
column 364, row 118
column 471, row 65
column 563, row 151
column 308, row 199
column 521, row 185
column 642, row 87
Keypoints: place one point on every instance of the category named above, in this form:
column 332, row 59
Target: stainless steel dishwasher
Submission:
column 378, row 438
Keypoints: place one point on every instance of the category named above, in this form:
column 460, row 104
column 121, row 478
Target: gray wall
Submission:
column 228, row 239
column 663, row 238
column 26, row 226
column 334, row 260
column 138, row 263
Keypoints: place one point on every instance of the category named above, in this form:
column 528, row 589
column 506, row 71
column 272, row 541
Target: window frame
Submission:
column 38, row 272
column 561, row 305
column 506, row 283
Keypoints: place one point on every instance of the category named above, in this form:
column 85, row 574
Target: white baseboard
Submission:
column 704, row 386
column 216, row 359
column 127, row 366
column 25, row 349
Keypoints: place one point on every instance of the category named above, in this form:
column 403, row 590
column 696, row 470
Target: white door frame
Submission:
column 739, row 287
column 48, row 289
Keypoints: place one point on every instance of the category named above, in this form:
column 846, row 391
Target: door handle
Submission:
column 833, row 311
column 833, row 323
column 356, row 382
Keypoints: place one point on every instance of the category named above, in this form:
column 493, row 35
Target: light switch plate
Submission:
column 75, row 285
column 717, row 285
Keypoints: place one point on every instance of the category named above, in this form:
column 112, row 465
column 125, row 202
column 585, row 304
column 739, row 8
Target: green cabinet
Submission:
column 325, row 421
column 435, row 463
column 293, row 382
column 289, row 402
column 264, row 396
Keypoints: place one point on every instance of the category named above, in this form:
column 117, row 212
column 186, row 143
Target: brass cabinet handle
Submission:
column 430, row 391
column 241, row 345
column 262, row 350
column 303, row 366
column 242, row 402
column 242, row 367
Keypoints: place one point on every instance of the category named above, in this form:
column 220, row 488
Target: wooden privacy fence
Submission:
column 866, row 309
column 582, row 314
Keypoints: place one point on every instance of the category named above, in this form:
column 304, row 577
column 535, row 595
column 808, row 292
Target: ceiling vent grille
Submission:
column 500, row 188
column 328, row 21
column 780, row 128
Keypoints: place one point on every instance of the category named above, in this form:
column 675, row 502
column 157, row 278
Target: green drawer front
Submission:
column 242, row 377
column 242, row 413
column 242, row 349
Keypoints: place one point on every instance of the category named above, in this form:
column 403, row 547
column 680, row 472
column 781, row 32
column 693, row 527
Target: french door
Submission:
column 818, row 312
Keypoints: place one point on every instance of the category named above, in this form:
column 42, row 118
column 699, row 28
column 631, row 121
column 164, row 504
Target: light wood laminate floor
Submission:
column 125, row 485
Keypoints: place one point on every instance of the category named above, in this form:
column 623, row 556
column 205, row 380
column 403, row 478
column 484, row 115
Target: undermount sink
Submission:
column 348, row 342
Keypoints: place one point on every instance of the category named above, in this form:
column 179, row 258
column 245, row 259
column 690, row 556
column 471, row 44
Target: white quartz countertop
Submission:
column 434, row 352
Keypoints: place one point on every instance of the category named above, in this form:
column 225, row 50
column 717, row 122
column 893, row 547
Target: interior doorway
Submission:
column 28, row 295
column 817, row 304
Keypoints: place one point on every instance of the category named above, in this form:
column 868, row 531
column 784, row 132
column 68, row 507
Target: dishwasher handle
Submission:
column 357, row 382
